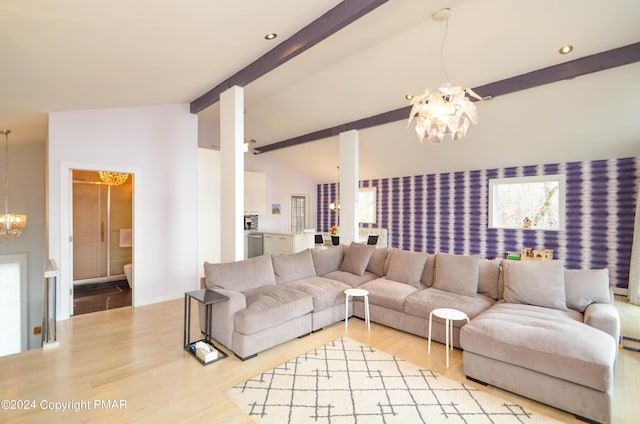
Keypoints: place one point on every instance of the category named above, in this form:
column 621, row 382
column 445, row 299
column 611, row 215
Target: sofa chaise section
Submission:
column 536, row 343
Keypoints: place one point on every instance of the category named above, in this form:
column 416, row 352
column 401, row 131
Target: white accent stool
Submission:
column 353, row 293
column 448, row 315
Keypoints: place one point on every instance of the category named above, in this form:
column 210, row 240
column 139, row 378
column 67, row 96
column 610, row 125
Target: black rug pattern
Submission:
column 347, row 382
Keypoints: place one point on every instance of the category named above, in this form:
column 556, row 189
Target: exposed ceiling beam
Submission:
column 326, row 25
column 585, row 65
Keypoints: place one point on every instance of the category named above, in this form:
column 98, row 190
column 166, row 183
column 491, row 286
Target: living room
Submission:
column 168, row 150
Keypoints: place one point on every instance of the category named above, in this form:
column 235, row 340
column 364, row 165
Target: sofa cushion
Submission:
column 423, row 302
column 377, row 261
column 457, row 273
column 406, row 267
column 387, row 293
column 324, row 292
column 270, row 306
column 489, row 278
column 429, row 271
column 350, row 279
column 582, row 288
column 242, row 275
column 549, row 341
column 327, row 260
column 293, row 267
column 539, row 283
column 356, row 258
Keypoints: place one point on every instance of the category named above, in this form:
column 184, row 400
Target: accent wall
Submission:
column 448, row 212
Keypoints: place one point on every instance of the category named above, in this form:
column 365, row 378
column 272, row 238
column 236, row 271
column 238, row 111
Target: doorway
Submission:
column 102, row 216
column 299, row 212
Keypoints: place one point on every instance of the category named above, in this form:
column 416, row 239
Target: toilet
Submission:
column 127, row 273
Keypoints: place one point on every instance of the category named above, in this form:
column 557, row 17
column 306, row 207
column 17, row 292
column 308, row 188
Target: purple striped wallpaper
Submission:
column 449, row 212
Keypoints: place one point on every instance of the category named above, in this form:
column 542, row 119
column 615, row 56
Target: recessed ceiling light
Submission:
column 408, row 96
column 566, row 49
column 270, row 36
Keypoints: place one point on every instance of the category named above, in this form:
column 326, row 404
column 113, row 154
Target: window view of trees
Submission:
column 535, row 202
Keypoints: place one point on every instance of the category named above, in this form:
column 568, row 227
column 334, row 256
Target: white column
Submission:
column 349, row 170
column 231, row 174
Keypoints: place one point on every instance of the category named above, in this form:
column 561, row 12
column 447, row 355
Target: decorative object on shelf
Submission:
column 527, row 253
column 447, row 111
column 333, row 230
column 113, row 178
column 526, row 223
column 335, row 205
column 11, row 224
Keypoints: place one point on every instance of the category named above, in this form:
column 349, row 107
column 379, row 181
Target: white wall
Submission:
column 159, row 145
column 281, row 184
column 208, row 208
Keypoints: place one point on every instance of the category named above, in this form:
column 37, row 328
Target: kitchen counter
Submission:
column 282, row 243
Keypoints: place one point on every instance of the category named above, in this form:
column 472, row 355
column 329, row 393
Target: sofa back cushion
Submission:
column 406, row 267
column 582, row 288
column 356, row 258
column 327, row 260
column 539, row 283
column 457, row 273
column 242, row 275
column 293, row 267
column 377, row 262
column 429, row 271
column 489, row 278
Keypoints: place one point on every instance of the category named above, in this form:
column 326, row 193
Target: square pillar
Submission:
column 231, row 174
column 349, row 175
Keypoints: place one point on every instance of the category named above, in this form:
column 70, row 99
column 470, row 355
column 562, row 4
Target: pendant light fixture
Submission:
column 335, row 205
column 447, row 111
column 113, row 178
column 11, row 224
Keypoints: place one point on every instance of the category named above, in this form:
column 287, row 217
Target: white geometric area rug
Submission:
column 347, row 382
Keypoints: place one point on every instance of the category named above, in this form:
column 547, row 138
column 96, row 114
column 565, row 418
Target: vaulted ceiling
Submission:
column 77, row 55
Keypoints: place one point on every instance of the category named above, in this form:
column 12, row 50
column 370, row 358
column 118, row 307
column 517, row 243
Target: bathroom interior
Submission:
column 102, row 240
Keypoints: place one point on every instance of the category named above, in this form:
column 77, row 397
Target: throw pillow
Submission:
column 327, row 260
column 429, row 270
column 582, row 288
column 406, row 267
column 457, row 273
column 489, row 278
column 356, row 258
column 539, row 283
column 377, row 261
column 293, row 267
column 242, row 275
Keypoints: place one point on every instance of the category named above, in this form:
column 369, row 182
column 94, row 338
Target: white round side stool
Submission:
column 353, row 293
column 449, row 315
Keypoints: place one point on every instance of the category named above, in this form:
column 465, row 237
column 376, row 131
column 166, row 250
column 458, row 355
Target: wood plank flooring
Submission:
column 132, row 363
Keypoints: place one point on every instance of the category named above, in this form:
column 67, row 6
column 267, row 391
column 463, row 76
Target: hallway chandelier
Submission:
column 113, row 178
column 446, row 111
column 11, row 224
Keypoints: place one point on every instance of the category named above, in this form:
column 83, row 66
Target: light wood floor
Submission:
column 136, row 356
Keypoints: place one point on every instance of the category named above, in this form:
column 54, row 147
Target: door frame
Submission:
column 66, row 227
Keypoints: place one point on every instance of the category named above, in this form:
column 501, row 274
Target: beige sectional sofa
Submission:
column 536, row 329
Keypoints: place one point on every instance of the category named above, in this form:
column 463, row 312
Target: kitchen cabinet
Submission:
column 284, row 244
column 255, row 193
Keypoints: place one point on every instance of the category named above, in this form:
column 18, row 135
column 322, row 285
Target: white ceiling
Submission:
column 74, row 54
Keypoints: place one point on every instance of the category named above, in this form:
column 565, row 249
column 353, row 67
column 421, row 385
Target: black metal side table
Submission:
column 207, row 297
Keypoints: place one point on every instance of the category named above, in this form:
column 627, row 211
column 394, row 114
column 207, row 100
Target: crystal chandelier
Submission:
column 113, row 178
column 11, row 224
column 446, row 111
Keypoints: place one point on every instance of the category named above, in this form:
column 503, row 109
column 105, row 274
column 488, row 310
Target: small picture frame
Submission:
column 276, row 209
